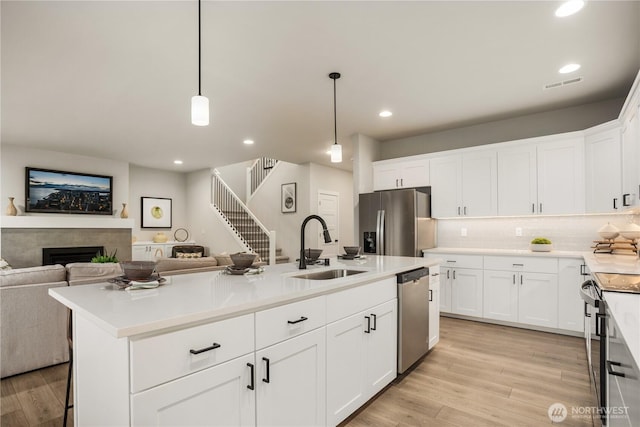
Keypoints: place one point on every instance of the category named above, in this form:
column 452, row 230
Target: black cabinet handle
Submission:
column 368, row 330
column 293, row 322
column 202, row 350
column 586, row 310
column 540, row 208
column 521, row 279
column 448, row 271
column 375, row 322
column 533, row 208
column 625, row 199
column 615, row 203
column 252, row 385
column 454, row 275
column 268, row 376
column 600, row 326
column 611, row 371
column 582, row 270
column 430, row 295
column 514, row 278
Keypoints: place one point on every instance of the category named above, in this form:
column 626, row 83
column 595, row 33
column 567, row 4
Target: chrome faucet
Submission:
column 327, row 238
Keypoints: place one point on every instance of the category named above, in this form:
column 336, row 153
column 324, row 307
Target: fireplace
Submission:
column 67, row 255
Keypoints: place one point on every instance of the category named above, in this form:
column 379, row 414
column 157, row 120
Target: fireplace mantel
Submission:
column 72, row 221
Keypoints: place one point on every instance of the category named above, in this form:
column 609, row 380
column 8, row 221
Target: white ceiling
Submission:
column 114, row 79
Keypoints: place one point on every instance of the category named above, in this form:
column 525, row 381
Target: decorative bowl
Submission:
column 351, row 250
column 312, row 254
column 243, row 259
column 138, row 270
column 631, row 231
column 541, row 247
column 609, row 231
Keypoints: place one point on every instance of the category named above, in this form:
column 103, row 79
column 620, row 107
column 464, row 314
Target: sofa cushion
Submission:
column 170, row 264
column 33, row 275
column 82, row 273
column 223, row 259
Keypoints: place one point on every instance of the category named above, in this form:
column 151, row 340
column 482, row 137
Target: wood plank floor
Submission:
column 478, row 375
column 486, row 375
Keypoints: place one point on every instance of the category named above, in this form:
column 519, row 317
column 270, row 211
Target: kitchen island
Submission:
column 218, row 349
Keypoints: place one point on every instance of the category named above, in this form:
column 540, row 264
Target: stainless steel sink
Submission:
column 328, row 274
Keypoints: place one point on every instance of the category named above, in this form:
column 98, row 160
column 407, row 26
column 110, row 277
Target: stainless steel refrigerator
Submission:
column 396, row 222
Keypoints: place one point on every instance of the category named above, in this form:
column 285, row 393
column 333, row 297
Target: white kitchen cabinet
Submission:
column 290, row 381
column 402, row 174
column 630, row 140
column 603, row 169
column 500, row 298
column 517, row 182
column 217, row 396
column 464, row 184
column 434, row 306
column 149, row 251
column 570, row 305
column 445, row 289
column 361, row 358
column 560, row 166
column 537, row 299
column 466, row 291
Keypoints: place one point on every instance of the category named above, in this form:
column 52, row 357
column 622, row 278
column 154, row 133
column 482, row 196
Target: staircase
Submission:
column 257, row 173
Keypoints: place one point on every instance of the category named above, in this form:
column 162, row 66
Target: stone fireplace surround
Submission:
column 22, row 242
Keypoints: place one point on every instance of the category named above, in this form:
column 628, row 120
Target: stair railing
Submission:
column 257, row 173
column 255, row 237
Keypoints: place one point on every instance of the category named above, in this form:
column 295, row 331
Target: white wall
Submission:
column 15, row 158
column 235, row 176
column 567, row 232
column 147, row 182
column 204, row 226
column 365, row 151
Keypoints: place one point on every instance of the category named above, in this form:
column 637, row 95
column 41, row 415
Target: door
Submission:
column 445, row 289
column 500, row 296
column 434, row 311
column 446, row 186
column 537, row 299
column 328, row 209
column 368, row 208
column 630, row 156
column 570, row 305
column 479, row 184
column 291, row 383
column 560, row 177
column 517, row 186
column 603, row 172
column 217, row 396
column 466, row 292
column 386, row 177
column 399, row 209
column 381, row 346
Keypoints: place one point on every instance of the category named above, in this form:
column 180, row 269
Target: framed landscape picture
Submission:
column 156, row 212
column 288, row 198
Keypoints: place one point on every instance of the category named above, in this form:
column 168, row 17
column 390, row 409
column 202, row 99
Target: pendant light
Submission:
column 199, row 103
column 336, row 149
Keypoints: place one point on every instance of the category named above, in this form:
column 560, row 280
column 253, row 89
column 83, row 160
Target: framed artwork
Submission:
column 156, row 212
column 288, row 198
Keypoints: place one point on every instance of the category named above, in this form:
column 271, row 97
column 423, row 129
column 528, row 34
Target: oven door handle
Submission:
column 600, row 321
column 586, row 310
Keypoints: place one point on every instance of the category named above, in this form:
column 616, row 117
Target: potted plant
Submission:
column 541, row 244
column 99, row 258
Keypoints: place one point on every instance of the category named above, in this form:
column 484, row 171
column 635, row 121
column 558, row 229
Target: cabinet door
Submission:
column 386, row 177
column 140, row 253
column 346, row 369
column 466, row 292
column 382, row 364
column 217, row 396
column 290, row 380
column 517, row 185
column 446, row 186
column 630, row 156
column 414, row 173
column 445, row 289
column 500, row 296
column 479, row 184
column 434, row 312
column 538, row 299
column 570, row 305
column 603, row 171
column 561, row 177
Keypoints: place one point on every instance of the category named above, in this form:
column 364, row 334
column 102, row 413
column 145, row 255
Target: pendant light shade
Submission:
column 336, row 149
column 199, row 103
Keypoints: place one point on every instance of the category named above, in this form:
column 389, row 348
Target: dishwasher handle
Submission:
column 413, row 275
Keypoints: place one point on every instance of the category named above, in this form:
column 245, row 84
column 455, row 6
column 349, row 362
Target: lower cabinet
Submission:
column 570, row 305
column 434, row 306
column 466, row 292
column 290, row 382
column 537, row 299
column 500, row 297
column 217, row 396
column 361, row 358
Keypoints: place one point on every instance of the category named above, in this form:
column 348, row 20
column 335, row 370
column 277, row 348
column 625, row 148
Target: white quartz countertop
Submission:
column 506, row 252
column 210, row 296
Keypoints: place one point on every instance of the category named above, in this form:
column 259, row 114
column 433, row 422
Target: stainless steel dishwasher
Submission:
column 413, row 317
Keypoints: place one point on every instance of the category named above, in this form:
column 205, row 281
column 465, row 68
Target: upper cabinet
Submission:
column 603, row 169
column 389, row 175
column 517, row 186
column 464, row 184
column 630, row 142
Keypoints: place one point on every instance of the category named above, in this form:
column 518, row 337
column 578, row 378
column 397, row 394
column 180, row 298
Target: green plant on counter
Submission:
column 99, row 258
column 541, row 241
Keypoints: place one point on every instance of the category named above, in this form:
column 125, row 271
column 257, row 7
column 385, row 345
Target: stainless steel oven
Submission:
column 595, row 330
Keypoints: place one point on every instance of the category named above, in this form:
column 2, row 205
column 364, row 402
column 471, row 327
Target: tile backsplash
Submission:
column 567, row 232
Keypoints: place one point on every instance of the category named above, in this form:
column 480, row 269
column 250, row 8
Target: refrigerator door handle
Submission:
column 381, row 234
column 378, row 232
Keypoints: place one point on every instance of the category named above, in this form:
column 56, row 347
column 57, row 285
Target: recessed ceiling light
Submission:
column 569, row 8
column 569, row 68
column 385, row 113
column 248, row 141
column 177, row 162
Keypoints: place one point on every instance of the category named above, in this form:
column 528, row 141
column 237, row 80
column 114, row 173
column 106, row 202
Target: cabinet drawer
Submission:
column 162, row 358
column 351, row 301
column 458, row 261
column 529, row 264
column 281, row 323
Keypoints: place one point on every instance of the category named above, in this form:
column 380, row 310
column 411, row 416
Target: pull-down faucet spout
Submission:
column 327, row 238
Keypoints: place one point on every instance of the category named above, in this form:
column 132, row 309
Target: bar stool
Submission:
column 67, row 406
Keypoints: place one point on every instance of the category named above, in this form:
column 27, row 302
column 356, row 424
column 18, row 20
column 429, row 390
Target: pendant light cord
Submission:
column 335, row 115
column 199, row 54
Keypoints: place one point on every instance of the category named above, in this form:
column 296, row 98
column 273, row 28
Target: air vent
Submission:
column 562, row 83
